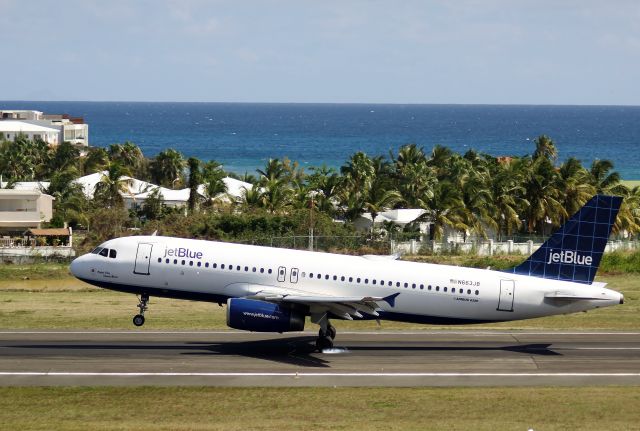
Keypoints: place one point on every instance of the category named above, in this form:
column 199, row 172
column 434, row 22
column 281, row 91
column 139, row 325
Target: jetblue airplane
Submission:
column 274, row 290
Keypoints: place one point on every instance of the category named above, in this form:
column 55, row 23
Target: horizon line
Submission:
column 322, row 103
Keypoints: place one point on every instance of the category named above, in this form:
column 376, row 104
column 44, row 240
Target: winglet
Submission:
column 391, row 299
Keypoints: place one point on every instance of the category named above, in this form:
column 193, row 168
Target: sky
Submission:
column 578, row 52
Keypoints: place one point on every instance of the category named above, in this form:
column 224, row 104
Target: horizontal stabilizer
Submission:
column 567, row 296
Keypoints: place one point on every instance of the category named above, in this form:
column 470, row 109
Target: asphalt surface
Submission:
column 229, row 358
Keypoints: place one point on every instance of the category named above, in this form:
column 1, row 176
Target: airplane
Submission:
column 274, row 290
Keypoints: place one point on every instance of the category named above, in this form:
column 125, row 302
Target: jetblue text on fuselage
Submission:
column 183, row 252
column 568, row 256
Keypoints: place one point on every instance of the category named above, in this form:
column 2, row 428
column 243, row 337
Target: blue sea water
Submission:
column 243, row 136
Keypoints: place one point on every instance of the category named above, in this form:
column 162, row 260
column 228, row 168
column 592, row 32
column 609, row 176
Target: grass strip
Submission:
column 207, row 408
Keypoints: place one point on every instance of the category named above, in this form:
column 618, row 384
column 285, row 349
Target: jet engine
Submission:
column 262, row 316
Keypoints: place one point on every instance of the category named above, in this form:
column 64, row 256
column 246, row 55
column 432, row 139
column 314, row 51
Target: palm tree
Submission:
column 443, row 207
column 604, row 180
column 95, row 160
column 167, row 168
column 64, row 156
column 546, row 148
column 543, row 195
column 507, row 194
column 358, row 171
column 575, row 185
column 70, row 204
column 111, row 186
column 194, row 181
column 128, row 155
column 213, row 176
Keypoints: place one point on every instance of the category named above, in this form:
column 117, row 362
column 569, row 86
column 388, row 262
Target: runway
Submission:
column 229, row 358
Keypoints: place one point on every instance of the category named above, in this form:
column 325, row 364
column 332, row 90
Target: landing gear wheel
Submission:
column 323, row 343
column 143, row 305
column 138, row 320
column 331, row 332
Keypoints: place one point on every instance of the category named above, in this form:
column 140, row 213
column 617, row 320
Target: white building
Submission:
column 23, row 209
column 400, row 217
column 138, row 190
column 68, row 129
column 10, row 129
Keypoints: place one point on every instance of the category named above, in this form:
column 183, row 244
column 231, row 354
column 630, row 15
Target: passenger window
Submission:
column 326, row 277
column 477, row 292
column 175, row 261
column 421, row 286
column 350, row 279
column 104, row 252
column 261, row 270
column 199, row 264
column 366, row 281
column 358, row 280
column 406, row 285
column 444, row 288
column 468, row 291
column 159, row 260
column 206, row 264
column 222, row 266
column 413, row 286
column 335, row 277
column 390, row 283
column 318, row 276
column 166, row 261
column 183, row 262
column 269, row 271
column 190, row 263
column 437, row 288
column 246, row 269
column 342, row 278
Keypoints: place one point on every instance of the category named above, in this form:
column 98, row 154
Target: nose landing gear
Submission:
column 138, row 319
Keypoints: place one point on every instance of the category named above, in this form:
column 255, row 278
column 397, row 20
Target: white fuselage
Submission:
column 215, row 271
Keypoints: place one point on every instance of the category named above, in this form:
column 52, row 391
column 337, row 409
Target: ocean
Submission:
column 243, row 136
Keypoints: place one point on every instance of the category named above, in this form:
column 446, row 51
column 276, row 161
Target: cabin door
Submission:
column 507, row 292
column 143, row 259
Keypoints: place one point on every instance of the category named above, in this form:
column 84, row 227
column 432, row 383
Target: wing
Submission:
column 344, row 307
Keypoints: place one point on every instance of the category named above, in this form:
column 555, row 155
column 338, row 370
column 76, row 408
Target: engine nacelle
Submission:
column 262, row 316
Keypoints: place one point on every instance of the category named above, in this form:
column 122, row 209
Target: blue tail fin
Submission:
column 573, row 253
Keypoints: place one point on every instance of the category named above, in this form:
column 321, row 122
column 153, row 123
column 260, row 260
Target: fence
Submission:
column 489, row 247
column 364, row 243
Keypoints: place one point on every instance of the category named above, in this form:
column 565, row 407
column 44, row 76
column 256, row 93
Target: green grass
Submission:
column 282, row 409
column 36, row 271
column 71, row 304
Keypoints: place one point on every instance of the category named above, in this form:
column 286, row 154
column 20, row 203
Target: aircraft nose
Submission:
column 76, row 266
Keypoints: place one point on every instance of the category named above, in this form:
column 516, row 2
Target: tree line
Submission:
column 475, row 193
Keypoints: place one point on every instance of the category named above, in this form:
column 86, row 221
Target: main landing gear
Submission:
column 138, row 319
column 326, row 335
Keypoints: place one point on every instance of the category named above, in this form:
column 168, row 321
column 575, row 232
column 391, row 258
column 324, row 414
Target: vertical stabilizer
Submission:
column 573, row 252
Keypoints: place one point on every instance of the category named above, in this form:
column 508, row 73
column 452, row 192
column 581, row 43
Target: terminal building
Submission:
column 51, row 128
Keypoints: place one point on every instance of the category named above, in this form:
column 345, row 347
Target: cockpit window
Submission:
column 112, row 254
column 96, row 250
column 104, row 252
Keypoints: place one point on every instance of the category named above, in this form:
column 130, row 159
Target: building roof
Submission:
column 63, row 231
column 399, row 216
column 23, row 126
column 35, row 186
